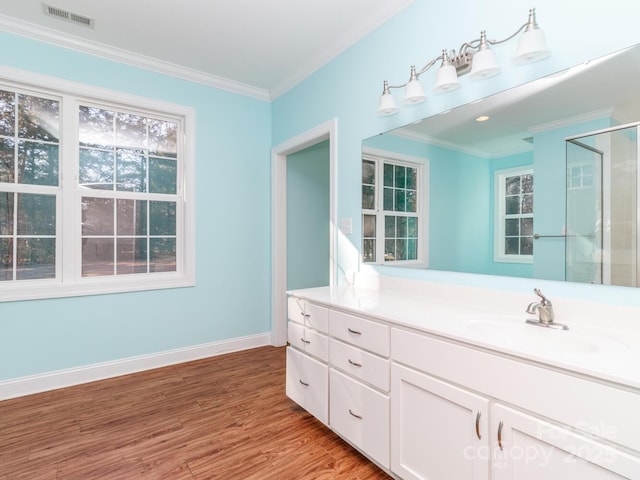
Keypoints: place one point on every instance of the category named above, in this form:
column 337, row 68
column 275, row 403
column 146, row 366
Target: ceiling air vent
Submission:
column 63, row 14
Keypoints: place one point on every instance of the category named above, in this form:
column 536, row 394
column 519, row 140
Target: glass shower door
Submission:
column 602, row 208
column 583, row 245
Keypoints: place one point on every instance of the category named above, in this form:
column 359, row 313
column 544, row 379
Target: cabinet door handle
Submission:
column 305, row 341
column 305, row 315
column 500, row 425
column 359, row 417
column 478, row 426
column 355, row 332
column 303, row 383
column 354, row 363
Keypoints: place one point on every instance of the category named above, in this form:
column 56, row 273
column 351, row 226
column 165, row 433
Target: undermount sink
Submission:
column 515, row 333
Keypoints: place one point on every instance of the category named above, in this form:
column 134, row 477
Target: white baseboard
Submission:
column 90, row 373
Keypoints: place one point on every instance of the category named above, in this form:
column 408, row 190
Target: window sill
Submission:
column 520, row 259
column 90, row 286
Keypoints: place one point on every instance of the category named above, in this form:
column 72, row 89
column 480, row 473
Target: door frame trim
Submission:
column 279, row 153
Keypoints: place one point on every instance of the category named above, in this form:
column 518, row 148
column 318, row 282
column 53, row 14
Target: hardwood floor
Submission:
column 226, row 417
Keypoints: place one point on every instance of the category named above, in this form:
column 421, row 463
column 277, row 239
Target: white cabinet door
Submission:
column 361, row 415
column 439, row 431
column 528, row 448
column 307, row 384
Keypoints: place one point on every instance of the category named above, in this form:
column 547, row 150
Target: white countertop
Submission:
column 595, row 344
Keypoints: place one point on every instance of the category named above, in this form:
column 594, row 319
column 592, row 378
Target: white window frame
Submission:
column 69, row 281
column 582, row 184
column 422, row 211
column 500, row 177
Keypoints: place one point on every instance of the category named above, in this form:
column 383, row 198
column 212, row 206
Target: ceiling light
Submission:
column 475, row 57
column 482, row 118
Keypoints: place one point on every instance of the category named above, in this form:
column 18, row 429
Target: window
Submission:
column 514, row 216
column 129, row 164
column 92, row 193
column 391, row 211
column 580, row 176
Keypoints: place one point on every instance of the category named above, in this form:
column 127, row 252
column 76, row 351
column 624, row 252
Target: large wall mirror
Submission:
column 545, row 187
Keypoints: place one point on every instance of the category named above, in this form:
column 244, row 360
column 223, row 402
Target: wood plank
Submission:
column 225, row 417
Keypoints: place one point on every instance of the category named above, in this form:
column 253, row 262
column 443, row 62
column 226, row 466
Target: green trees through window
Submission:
column 123, row 188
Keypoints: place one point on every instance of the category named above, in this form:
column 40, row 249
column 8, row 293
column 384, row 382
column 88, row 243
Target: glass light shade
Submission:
column 414, row 93
column 532, row 47
column 387, row 105
column 484, row 64
column 446, row 79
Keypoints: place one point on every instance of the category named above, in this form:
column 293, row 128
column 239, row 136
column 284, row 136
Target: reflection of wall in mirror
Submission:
column 461, row 198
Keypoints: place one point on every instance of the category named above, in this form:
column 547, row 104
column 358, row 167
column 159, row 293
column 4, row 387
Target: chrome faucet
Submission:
column 544, row 310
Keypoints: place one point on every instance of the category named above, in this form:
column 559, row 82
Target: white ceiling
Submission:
column 256, row 47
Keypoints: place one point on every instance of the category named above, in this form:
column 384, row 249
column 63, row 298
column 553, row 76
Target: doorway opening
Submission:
column 292, row 157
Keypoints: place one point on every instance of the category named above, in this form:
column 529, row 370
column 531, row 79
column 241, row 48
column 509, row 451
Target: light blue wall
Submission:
column 461, row 200
column 232, row 296
column 348, row 89
column 458, row 203
column 234, row 135
column 308, row 232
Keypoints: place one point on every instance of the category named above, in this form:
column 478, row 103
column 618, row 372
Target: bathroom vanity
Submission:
column 435, row 381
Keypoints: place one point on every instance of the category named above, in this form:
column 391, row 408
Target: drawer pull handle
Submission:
column 303, row 383
column 500, row 425
column 355, row 332
column 305, row 341
column 354, row 363
column 359, row 417
column 478, row 426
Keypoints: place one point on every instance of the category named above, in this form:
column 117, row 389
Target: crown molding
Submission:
column 417, row 137
column 53, row 37
column 568, row 121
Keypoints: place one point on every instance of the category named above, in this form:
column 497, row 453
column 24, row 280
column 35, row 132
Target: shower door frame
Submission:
column 606, row 202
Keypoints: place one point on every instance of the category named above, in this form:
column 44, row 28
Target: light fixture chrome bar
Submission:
column 474, row 57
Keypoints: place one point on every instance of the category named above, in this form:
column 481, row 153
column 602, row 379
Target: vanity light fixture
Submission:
column 475, row 58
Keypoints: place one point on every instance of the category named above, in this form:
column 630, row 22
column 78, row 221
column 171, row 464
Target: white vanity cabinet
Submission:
column 359, row 383
column 426, row 404
column 438, row 388
column 439, row 431
column 307, row 381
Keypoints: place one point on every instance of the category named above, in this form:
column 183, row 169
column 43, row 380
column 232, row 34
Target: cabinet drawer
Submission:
column 361, row 415
column 308, row 340
column 366, row 366
column 309, row 314
column 317, row 317
column 307, row 384
column 367, row 334
column 295, row 310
